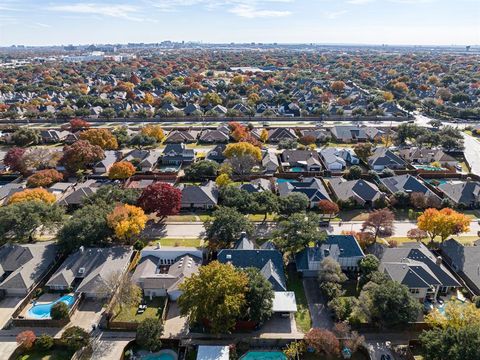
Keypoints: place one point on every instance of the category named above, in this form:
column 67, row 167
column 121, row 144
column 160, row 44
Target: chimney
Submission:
column 439, row 260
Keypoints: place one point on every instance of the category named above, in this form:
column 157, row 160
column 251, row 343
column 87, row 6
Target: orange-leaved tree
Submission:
column 121, row 170
column 443, row 223
column 127, row 221
column 37, row 194
column 100, row 137
column 44, row 178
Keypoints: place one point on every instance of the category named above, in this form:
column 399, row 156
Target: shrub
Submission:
column 149, row 333
column 75, row 338
column 139, row 245
column 44, row 342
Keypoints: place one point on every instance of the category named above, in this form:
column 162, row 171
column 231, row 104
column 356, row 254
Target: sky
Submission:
column 393, row 22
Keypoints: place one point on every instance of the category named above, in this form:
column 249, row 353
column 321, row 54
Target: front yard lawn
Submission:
column 178, row 242
column 154, row 310
column 302, row 316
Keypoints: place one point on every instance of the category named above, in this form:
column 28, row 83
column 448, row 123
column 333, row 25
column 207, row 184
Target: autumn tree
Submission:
column 223, row 180
column 323, row 341
column 37, row 194
column 242, row 149
column 443, row 223
column 44, row 178
column 264, row 135
column 379, row 223
column 80, row 155
column 26, row 339
column 78, row 125
column 121, row 170
column 218, row 306
column 417, row 234
column 328, row 207
column 14, row 159
column 337, row 86
column 100, row 137
column 160, row 198
column 127, row 221
column 40, row 159
column 154, row 131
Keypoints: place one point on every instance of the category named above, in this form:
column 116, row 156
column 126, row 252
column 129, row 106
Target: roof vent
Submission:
column 81, row 270
column 229, row 256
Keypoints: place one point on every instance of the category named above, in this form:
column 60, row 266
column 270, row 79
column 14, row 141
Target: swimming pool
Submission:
column 42, row 311
column 296, row 169
column 264, row 355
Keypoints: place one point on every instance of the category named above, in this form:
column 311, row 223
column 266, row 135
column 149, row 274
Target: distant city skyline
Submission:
column 393, row 22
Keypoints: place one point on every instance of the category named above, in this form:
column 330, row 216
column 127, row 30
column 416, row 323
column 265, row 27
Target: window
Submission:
column 414, row 291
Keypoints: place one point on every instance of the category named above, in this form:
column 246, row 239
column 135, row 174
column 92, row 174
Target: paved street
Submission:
column 196, row 230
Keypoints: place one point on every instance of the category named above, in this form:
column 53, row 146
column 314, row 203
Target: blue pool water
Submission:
column 280, row 181
column 158, row 357
column 296, row 169
column 42, row 311
column 264, row 355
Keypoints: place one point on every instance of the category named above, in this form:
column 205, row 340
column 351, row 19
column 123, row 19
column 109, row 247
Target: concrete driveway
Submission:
column 176, row 326
column 108, row 349
column 88, row 313
column 7, row 347
column 317, row 304
column 7, row 307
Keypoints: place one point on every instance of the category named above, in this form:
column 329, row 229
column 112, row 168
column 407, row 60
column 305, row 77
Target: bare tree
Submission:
column 122, row 289
column 379, row 223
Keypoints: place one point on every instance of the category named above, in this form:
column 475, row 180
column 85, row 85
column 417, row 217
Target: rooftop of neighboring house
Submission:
column 356, row 189
column 415, row 266
column 22, row 265
column 384, row 157
column 461, row 192
column 313, row 188
column 463, row 258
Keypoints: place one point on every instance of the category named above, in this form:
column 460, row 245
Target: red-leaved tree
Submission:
column 160, row 198
column 44, row 178
column 80, row 155
column 328, row 207
column 26, row 339
column 78, row 125
column 13, row 159
column 323, row 342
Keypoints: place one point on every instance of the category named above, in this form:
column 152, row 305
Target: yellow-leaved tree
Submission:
column 264, row 136
column 443, row 223
column 456, row 315
column 37, row 194
column 127, row 221
column 223, row 180
column 121, row 170
column 101, row 137
column 242, row 149
column 154, row 131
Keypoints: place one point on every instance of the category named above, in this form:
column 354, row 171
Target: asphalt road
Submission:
column 196, row 230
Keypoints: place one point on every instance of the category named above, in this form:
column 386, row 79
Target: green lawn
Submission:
column 352, row 215
column 178, row 242
column 154, row 310
column 53, row 354
column 182, row 218
column 302, row 316
column 461, row 239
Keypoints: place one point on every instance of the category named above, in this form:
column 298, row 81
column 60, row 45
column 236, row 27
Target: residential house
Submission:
column 465, row 260
column 89, row 271
column 214, row 136
column 313, row 188
column 344, row 249
column 216, row 154
column 257, row 185
column 427, row 156
column 177, row 154
column 408, row 184
column 278, row 134
column 22, row 266
column 53, row 136
column 270, row 163
column 270, row 264
column 9, row 189
column 360, row 192
column 301, row 160
column 462, row 193
column 158, row 276
column 103, row 166
column 145, row 160
column 383, row 158
column 348, row 134
column 414, row 266
column 76, row 194
column 199, row 196
column 181, row 136
column 320, row 135
column 332, row 159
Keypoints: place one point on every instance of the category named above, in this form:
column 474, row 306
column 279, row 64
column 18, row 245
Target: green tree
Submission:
column 368, row 265
column 44, row 342
column 19, row 221
column 75, row 338
column 267, row 203
column 149, row 334
column 26, row 136
column 292, row 203
column 354, row 173
column 111, row 194
column 226, row 226
column 297, row 231
column 202, row 170
column 259, row 297
column 378, row 299
column 216, row 295
column 59, row 311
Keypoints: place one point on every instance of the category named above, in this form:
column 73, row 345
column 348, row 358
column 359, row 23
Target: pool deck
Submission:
column 43, row 299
